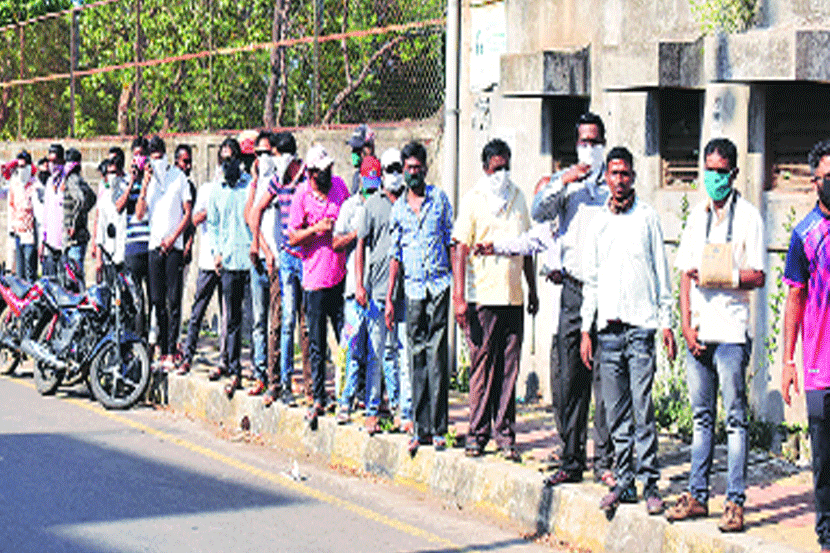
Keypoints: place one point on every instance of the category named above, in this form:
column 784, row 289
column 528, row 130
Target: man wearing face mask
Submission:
column 421, row 228
column 138, row 229
column 230, row 241
column 359, row 361
column 112, row 187
column 807, row 276
column 208, row 279
column 493, row 322
column 372, row 257
column 52, row 231
column 314, row 209
column 572, row 197
column 22, row 188
column 165, row 199
column 362, row 143
column 78, row 200
column 714, row 310
column 264, row 266
column 287, row 174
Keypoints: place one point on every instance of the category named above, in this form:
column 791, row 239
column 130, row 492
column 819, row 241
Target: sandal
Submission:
column 473, row 450
column 270, row 396
column 257, row 389
column 184, row 368
column 510, row 453
column 215, row 374
column 233, row 386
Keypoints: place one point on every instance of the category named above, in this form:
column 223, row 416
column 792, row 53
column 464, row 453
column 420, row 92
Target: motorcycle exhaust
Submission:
column 38, row 352
column 8, row 342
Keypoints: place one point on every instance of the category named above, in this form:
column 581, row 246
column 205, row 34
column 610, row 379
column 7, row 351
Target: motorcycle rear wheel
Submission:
column 9, row 359
column 47, row 378
column 120, row 386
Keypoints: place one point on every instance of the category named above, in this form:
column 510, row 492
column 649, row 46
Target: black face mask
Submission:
column 824, row 192
column 231, row 171
column 43, row 176
column 323, row 180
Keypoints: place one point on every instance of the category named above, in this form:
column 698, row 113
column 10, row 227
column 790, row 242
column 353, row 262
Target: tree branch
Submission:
column 355, row 84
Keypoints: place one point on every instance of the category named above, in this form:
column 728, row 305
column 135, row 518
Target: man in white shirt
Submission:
column 572, row 198
column 628, row 290
column 165, row 199
column 715, row 321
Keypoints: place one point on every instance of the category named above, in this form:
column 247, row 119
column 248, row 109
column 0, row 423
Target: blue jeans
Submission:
column 25, row 260
column 724, row 364
column 291, row 277
column 355, row 341
column 77, row 253
column 260, row 292
column 382, row 352
column 627, row 362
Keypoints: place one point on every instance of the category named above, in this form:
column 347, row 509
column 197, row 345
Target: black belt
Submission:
column 573, row 280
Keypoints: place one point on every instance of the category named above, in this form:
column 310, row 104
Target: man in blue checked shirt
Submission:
column 421, row 227
column 230, row 240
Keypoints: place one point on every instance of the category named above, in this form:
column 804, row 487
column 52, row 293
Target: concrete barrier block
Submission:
column 382, row 454
column 348, row 447
column 578, row 519
column 632, row 529
column 415, row 471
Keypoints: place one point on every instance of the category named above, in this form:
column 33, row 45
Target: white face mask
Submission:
column 159, row 167
column 591, row 155
column 393, row 182
column 266, row 165
column 500, row 182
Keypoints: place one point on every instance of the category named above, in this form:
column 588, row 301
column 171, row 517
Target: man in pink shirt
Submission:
column 314, row 209
column 807, row 273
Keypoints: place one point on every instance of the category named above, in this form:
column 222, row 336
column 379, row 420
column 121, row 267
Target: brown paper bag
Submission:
column 716, row 266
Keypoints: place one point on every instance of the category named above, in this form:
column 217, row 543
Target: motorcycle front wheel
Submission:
column 9, row 360
column 119, row 385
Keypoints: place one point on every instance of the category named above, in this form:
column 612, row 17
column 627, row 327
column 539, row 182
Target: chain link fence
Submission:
column 118, row 67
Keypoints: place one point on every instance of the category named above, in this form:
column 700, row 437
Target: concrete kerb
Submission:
column 514, row 492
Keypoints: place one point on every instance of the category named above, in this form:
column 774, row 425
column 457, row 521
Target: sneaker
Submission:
column 287, row 398
column 654, row 503
column 629, row 494
column 687, row 507
column 561, row 477
column 343, row 416
column 412, row 446
column 732, row 519
column 439, row 443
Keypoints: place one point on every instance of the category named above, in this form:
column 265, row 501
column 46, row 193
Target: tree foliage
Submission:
column 391, row 75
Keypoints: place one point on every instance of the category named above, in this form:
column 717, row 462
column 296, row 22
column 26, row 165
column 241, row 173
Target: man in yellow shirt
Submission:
column 491, row 312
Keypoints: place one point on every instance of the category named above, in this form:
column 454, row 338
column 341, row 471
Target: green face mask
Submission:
column 413, row 180
column 717, row 185
column 355, row 159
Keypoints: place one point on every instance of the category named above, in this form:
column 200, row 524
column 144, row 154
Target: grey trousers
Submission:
column 628, row 363
column 427, row 322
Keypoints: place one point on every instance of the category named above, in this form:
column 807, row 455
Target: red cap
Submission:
column 370, row 167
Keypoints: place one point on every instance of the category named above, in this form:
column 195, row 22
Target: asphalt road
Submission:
column 74, row 477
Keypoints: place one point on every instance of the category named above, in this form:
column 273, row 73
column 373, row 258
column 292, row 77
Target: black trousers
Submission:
column 165, row 277
column 137, row 265
column 322, row 304
column 206, row 283
column 233, row 292
column 427, row 321
column 818, row 416
column 571, row 383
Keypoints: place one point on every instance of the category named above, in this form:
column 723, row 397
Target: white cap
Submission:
column 390, row 156
column 318, row 158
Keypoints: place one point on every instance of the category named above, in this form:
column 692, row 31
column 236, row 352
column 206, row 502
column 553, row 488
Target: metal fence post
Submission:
column 73, row 64
column 316, row 61
column 137, row 68
column 210, row 68
column 20, row 89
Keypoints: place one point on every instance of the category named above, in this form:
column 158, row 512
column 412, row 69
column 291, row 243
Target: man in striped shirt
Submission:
column 287, row 176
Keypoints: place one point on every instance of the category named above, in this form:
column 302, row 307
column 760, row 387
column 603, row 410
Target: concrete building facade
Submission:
column 665, row 83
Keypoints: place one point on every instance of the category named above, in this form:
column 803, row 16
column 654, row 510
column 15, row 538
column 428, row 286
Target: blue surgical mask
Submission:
column 717, row 184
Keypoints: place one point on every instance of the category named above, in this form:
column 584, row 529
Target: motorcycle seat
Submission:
column 66, row 299
column 18, row 286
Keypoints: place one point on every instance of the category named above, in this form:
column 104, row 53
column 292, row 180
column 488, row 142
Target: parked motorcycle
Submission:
column 90, row 335
column 23, row 311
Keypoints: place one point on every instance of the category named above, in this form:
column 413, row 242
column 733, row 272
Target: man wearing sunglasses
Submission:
column 721, row 258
